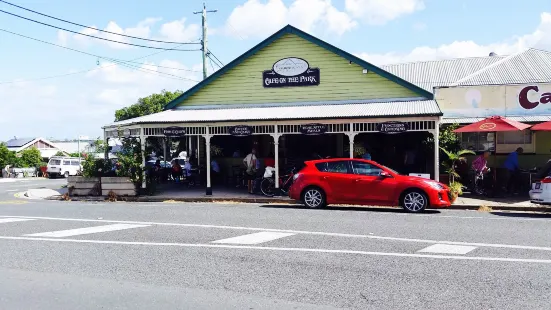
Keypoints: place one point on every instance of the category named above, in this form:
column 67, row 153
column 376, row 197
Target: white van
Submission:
column 64, row 166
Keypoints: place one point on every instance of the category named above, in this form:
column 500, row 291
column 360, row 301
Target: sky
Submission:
column 53, row 92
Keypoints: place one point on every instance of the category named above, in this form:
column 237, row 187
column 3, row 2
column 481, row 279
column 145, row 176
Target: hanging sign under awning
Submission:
column 392, row 127
column 241, row 131
column 313, row 129
column 174, row 131
column 289, row 72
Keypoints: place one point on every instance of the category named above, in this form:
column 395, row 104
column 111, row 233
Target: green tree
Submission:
column 31, row 157
column 4, row 155
column 59, row 153
column 449, row 140
column 148, row 105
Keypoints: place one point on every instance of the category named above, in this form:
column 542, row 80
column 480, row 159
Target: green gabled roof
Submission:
column 292, row 30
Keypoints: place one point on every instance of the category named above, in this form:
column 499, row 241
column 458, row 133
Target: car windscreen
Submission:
column 55, row 162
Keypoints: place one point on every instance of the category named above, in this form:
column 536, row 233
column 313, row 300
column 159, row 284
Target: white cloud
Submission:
column 379, row 12
column 540, row 38
column 258, row 19
column 178, row 31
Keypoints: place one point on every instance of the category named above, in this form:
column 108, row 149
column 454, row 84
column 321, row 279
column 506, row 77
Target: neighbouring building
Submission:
column 467, row 90
column 47, row 148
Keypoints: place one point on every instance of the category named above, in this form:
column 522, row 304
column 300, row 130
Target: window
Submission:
column 75, row 163
column 333, row 166
column 478, row 141
column 55, row 162
column 366, row 169
column 66, row 163
column 514, row 137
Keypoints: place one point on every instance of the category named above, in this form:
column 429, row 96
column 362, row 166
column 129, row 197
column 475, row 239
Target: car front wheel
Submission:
column 314, row 197
column 414, row 201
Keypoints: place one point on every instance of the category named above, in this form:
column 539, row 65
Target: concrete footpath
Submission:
column 462, row 203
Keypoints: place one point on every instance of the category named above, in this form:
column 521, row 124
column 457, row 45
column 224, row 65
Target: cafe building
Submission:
column 295, row 97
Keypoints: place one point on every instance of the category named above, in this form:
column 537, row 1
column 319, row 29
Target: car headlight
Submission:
column 435, row 185
column 295, row 177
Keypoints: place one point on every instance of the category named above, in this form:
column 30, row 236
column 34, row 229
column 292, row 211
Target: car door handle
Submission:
column 357, row 180
column 324, row 178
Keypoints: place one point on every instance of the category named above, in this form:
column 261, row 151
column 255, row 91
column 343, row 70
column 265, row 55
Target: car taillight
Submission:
column 546, row 180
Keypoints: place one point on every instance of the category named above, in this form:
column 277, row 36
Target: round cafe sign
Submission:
column 488, row 126
column 291, row 66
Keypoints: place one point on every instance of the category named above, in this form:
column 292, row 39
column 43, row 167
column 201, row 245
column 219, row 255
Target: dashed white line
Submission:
column 304, row 250
column 14, row 219
column 85, row 231
column 318, row 233
column 447, row 249
column 256, row 238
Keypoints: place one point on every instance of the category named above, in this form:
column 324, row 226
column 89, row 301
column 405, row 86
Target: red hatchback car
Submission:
column 364, row 182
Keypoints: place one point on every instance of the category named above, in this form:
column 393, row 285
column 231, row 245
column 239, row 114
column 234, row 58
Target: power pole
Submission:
column 204, row 39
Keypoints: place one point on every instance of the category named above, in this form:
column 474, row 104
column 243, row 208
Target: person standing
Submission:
column 512, row 171
column 250, row 169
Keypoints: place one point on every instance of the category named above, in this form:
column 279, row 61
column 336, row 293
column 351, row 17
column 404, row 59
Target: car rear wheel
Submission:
column 414, row 201
column 66, row 174
column 314, row 197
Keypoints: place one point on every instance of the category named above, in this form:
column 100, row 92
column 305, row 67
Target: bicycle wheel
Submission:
column 267, row 187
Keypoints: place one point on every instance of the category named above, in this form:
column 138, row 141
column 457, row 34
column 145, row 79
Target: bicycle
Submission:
column 267, row 185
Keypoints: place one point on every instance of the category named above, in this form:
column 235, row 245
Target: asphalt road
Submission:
column 62, row 255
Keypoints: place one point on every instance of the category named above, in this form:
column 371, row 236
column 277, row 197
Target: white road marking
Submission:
column 85, row 231
column 306, row 250
column 318, row 233
column 12, row 190
column 256, row 238
column 11, row 220
column 447, row 249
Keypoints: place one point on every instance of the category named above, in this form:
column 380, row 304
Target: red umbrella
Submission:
column 493, row 124
column 542, row 126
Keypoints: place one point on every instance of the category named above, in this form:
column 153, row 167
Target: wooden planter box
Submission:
column 81, row 186
column 121, row 186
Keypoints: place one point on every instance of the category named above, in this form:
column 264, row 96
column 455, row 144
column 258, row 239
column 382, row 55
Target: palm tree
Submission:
column 453, row 158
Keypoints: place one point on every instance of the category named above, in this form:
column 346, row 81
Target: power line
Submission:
column 77, row 24
column 91, row 36
column 213, row 61
column 221, row 63
column 121, row 62
column 211, row 65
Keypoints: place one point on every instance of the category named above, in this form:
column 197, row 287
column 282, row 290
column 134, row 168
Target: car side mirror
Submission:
column 385, row 174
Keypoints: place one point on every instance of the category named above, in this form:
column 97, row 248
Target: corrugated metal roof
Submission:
column 529, row 66
column 289, row 112
column 523, row 119
column 429, row 74
column 18, row 142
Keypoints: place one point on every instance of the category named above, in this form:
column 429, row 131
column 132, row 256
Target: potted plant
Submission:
column 456, row 188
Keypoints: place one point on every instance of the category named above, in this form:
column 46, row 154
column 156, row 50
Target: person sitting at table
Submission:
column 215, row 171
column 481, row 170
column 176, row 170
column 480, row 163
column 512, row 171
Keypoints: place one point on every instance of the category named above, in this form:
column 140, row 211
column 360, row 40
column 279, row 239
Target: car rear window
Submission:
column 333, row 166
column 55, row 162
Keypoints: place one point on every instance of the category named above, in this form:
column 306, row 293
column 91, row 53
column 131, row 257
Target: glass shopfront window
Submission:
column 478, row 141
